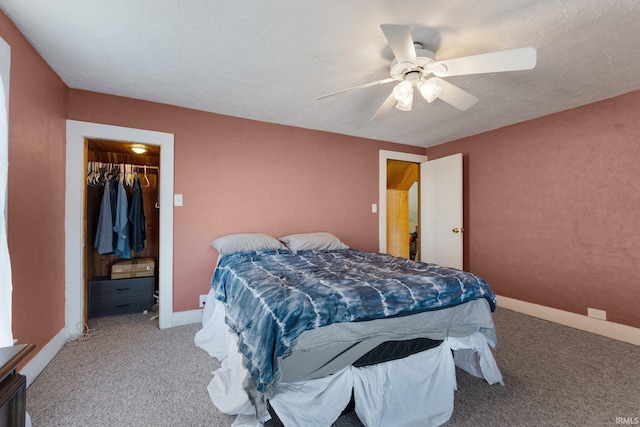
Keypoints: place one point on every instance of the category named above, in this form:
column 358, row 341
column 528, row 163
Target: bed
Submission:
column 302, row 325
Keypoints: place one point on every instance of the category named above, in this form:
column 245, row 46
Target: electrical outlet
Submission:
column 203, row 300
column 597, row 314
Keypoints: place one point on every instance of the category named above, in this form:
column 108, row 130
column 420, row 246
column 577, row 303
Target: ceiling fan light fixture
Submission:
column 406, row 104
column 403, row 92
column 429, row 89
column 413, row 64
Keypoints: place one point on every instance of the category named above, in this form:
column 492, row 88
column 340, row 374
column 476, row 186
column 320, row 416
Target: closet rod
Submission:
column 148, row 167
column 135, row 166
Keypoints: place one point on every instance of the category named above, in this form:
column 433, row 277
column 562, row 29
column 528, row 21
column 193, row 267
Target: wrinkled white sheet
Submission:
column 413, row 391
column 214, row 337
column 416, row 390
column 473, row 355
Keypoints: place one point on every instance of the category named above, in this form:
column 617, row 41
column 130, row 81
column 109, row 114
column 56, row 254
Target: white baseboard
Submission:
column 605, row 328
column 35, row 366
column 187, row 317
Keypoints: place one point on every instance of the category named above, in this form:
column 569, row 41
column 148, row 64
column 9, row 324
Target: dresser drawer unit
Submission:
column 120, row 296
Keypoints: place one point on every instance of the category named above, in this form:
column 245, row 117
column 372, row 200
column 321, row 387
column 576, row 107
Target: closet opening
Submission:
column 402, row 209
column 121, row 229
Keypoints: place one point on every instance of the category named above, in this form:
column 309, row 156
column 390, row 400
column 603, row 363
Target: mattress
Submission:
column 306, row 331
column 272, row 297
column 324, row 351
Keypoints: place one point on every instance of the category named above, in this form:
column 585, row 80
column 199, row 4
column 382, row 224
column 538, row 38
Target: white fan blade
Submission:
column 386, row 106
column 504, row 60
column 455, row 96
column 379, row 82
column 401, row 42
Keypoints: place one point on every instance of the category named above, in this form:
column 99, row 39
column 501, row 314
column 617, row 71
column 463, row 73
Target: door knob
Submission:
column 458, row 230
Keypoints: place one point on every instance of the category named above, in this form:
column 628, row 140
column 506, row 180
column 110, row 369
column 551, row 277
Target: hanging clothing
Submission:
column 104, row 232
column 113, row 190
column 137, row 218
column 121, row 227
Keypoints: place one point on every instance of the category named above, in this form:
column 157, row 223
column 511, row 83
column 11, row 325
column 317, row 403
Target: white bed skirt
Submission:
column 415, row 390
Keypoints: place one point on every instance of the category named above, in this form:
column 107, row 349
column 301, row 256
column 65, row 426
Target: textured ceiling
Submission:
column 268, row 60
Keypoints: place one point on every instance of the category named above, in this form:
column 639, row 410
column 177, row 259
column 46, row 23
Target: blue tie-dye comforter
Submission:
column 273, row 296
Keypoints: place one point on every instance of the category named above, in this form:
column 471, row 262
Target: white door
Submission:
column 441, row 211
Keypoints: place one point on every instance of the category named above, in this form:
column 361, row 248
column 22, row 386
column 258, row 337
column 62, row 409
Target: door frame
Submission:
column 382, row 189
column 77, row 133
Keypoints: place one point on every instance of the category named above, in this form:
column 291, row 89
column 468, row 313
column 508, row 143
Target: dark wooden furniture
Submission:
column 120, row 296
column 13, row 386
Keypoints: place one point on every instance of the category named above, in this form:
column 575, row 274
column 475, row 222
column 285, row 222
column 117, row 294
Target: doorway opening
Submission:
column 76, row 181
column 121, row 274
column 384, row 157
column 441, row 203
column 403, row 209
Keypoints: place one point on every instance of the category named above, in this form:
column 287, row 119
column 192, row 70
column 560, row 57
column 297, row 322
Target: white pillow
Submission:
column 320, row 241
column 245, row 242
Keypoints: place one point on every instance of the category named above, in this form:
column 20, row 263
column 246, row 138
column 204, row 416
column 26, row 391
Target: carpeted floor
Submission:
column 130, row 373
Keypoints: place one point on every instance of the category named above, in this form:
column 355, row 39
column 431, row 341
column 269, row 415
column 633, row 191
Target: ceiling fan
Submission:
column 413, row 66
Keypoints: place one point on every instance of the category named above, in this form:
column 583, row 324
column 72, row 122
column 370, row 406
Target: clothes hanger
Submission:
column 89, row 172
column 132, row 175
column 128, row 175
column 146, row 178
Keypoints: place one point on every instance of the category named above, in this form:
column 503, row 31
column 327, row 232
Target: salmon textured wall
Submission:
column 36, row 192
column 239, row 175
column 552, row 208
